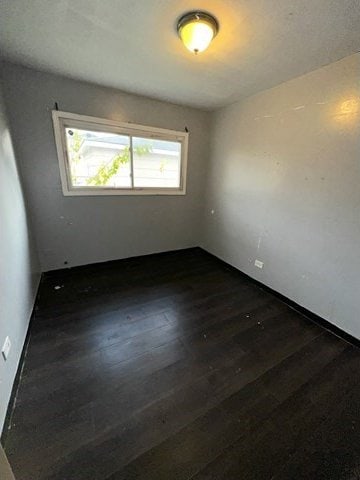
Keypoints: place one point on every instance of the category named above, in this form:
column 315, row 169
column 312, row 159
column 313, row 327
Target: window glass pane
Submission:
column 156, row 163
column 98, row 159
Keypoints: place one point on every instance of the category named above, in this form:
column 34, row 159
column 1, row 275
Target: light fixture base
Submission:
column 197, row 15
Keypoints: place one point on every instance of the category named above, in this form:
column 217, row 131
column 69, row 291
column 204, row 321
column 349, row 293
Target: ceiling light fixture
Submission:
column 196, row 30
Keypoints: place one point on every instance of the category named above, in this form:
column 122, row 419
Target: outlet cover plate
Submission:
column 6, row 348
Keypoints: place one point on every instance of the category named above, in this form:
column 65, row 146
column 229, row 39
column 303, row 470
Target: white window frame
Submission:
column 63, row 120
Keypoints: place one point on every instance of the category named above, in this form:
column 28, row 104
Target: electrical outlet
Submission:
column 259, row 264
column 6, row 348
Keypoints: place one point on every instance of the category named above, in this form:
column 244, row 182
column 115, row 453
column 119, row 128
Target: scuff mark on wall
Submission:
column 259, row 242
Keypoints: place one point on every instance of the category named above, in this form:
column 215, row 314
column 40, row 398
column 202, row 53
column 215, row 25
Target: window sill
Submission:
column 117, row 191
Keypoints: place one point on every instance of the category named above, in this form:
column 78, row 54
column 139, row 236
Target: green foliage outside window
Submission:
column 107, row 170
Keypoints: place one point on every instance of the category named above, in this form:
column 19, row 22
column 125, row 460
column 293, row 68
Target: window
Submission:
column 103, row 157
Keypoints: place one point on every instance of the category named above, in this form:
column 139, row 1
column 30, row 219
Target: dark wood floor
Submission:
column 175, row 366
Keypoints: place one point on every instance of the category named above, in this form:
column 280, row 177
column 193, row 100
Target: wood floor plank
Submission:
column 175, row 366
column 272, row 444
column 182, row 455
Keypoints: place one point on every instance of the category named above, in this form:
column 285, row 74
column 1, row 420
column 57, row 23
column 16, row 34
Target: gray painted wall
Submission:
column 82, row 230
column 284, row 184
column 19, row 269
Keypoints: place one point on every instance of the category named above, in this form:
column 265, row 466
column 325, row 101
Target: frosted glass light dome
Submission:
column 197, row 30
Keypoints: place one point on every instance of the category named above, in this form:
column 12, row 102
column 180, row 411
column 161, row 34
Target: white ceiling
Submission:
column 133, row 45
